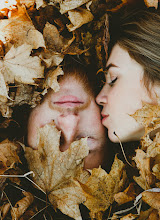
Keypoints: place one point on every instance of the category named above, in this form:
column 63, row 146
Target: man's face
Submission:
column 76, row 114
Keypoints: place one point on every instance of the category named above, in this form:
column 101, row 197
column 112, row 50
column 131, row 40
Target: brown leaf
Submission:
column 145, row 214
column 68, row 5
column 152, row 199
column 151, row 3
column 126, row 196
column 101, row 187
column 22, row 205
column 56, row 171
column 78, row 17
column 51, row 80
column 10, row 34
column 149, row 116
column 20, row 66
column 4, row 210
column 144, row 165
column 154, row 215
column 129, row 217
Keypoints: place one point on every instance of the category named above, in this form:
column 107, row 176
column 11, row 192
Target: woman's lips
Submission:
column 68, row 101
column 104, row 117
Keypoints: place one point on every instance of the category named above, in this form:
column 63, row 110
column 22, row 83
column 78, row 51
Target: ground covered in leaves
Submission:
column 35, row 38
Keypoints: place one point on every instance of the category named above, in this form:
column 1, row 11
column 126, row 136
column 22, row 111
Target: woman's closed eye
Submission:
column 113, row 81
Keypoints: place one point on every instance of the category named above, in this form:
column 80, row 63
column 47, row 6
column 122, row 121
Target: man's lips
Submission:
column 68, row 101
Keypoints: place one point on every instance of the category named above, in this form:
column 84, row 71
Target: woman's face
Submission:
column 122, row 95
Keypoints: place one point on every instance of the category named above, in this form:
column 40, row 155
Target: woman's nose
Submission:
column 101, row 99
column 68, row 125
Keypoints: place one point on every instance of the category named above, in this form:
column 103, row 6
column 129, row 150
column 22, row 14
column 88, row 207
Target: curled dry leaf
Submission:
column 151, row 3
column 4, row 210
column 101, row 187
column 22, row 205
column 19, row 66
column 56, row 172
column 78, row 17
column 126, row 196
column 68, row 5
column 51, row 80
column 145, row 214
column 19, row 30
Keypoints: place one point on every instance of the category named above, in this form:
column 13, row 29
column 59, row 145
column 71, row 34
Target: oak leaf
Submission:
column 56, row 172
column 19, row 66
column 101, row 187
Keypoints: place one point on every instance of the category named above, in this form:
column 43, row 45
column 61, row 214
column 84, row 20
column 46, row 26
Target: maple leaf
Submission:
column 22, row 205
column 78, row 17
column 101, row 187
column 56, row 172
column 19, row 66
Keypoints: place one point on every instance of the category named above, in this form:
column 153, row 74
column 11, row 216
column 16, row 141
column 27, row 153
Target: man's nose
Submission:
column 68, row 126
column 101, row 99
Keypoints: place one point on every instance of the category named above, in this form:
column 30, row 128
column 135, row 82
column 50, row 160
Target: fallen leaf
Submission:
column 56, row 171
column 19, row 66
column 51, row 80
column 153, row 215
column 149, row 116
column 151, row 3
column 27, row 3
column 3, row 89
column 10, row 34
column 4, row 210
column 129, row 217
column 152, row 199
column 21, row 206
column 78, row 17
column 68, row 5
column 101, row 187
column 126, row 196
column 145, row 214
column 143, row 163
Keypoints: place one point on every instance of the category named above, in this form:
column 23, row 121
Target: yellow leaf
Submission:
column 56, row 172
column 101, row 187
column 20, row 66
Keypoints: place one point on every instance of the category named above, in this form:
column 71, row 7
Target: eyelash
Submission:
column 113, row 81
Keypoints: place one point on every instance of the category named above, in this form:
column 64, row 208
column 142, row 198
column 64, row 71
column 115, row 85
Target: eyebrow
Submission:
column 110, row 65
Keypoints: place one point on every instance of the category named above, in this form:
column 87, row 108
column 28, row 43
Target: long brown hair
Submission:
column 138, row 31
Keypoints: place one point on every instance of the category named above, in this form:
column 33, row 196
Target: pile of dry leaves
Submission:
column 35, row 36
